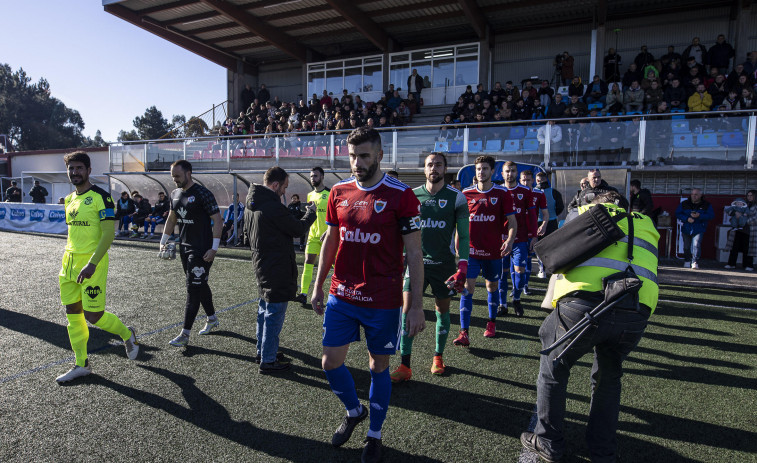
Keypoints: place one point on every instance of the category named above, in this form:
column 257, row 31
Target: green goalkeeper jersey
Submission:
column 440, row 215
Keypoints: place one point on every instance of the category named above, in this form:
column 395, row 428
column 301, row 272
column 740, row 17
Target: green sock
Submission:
column 112, row 324
column 307, row 277
column 442, row 331
column 78, row 334
column 406, row 344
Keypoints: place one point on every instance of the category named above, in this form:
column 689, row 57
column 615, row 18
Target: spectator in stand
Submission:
column 248, row 96
column 690, row 63
column 612, row 66
column 325, row 100
column 596, row 92
column 555, row 135
column 643, row 59
column 732, row 101
column 413, row 105
column 718, row 90
column 641, row 199
column 459, row 107
column 13, row 194
column 38, row 193
column 482, row 94
column 694, row 213
column 575, row 101
column 675, row 95
column 634, row 98
column 403, row 113
column 576, row 87
column 614, row 100
column 138, row 218
column 511, row 89
column 263, row 94
column 566, row 72
column 488, row 110
column 477, row 101
column 647, row 81
column 394, row 101
column 653, row 96
column 750, row 65
column 696, row 50
column 556, row 109
column 470, row 112
column 747, row 99
column 125, row 207
column 743, row 237
column 521, row 112
column 498, row 91
column 537, row 110
column 701, row 100
column 528, row 100
column 158, row 215
column 467, row 96
column 545, row 94
column 532, row 92
column 670, row 57
column 630, row 75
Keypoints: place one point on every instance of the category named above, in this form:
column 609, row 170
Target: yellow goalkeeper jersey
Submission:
column 84, row 212
column 321, row 200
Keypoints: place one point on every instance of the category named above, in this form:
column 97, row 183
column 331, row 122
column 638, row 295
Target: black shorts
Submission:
column 196, row 268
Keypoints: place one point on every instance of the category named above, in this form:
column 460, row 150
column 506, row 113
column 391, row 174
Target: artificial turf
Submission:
column 689, row 387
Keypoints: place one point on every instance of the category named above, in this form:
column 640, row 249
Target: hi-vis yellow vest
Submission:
column 588, row 275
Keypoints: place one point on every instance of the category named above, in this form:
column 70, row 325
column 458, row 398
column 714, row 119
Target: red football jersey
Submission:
column 522, row 199
column 489, row 211
column 371, row 222
column 538, row 202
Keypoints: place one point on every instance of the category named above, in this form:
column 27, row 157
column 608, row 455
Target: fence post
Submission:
column 750, row 140
column 277, row 150
column 184, row 148
column 394, row 149
column 228, row 154
column 547, row 145
column 642, row 141
column 465, row 145
column 331, row 149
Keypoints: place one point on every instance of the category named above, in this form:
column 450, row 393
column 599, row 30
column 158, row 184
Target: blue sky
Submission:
column 105, row 68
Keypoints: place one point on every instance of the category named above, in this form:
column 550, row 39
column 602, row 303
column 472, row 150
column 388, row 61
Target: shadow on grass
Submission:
column 691, row 329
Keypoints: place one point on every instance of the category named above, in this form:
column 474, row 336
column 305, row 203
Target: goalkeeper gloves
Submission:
column 457, row 281
column 167, row 251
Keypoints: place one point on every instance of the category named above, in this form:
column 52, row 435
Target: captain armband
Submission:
column 410, row 224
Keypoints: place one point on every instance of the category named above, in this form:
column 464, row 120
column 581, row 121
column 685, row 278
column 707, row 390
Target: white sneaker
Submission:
column 209, row 326
column 131, row 344
column 179, row 341
column 687, row 265
column 541, row 275
column 75, row 372
column 730, row 267
column 694, row 265
column 749, row 269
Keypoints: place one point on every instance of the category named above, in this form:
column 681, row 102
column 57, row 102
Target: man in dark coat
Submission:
column 263, row 94
column 596, row 186
column 641, row 199
column 38, row 193
column 414, row 86
column 271, row 230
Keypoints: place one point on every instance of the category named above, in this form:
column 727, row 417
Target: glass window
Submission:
column 372, row 79
column 353, row 62
column 353, row 79
column 444, row 52
column 374, row 60
column 466, row 49
column 466, row 71
column 316, row 83
column 398, row 74
column 316, row 67
column 421, row 55
column 424, row 70
column 444, row 70
column 335, row 81
column 335, row 65
column 400, row 58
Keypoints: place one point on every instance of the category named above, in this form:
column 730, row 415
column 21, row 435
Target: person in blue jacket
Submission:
column 694, row 214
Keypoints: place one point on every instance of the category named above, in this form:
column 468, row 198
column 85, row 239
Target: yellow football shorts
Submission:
column 313, row 246
column 91, row 292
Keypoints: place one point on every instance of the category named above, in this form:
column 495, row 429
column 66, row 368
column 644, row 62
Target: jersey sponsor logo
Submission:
column 18, row 214
column 360, row 204
column 36, row 215
column 191, row 199
column 2, row 213
column 198, row 272
column 494, row 200
column 379, row 205
column 442, row 203
column 182, row 212
column 482, row 218
column 429, row 202
column 88, row 201
column 429, row 223
column 357, row 236
column 353, row 294
column 344, row 203
column 483, row 201
column 56, row 216
column 478, row 252
column 93, row 292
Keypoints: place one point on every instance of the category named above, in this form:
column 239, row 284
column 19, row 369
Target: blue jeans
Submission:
column 691, row 247
column 270, row 320
column 616, row 335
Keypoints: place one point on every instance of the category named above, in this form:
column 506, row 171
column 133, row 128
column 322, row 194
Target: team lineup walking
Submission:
column 386, row 244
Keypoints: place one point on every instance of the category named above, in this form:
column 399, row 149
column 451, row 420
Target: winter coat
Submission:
column 38, row 193
column 125, row 207
column 752, row 224
column 642, row 202
column 271, row 229
column 587, row 195
column 720, row 54
column 699, row 102
column 675, row 94
column 634, row 96
column 684, row 210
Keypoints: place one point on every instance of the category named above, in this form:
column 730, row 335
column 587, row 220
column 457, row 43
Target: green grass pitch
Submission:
column 688, row 390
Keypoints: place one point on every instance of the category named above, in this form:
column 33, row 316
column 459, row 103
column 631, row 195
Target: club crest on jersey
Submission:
column 379, row 205
column 494, row 200
column 442, row 202
column 191, row 199
column 88, row 201
column 520, row 196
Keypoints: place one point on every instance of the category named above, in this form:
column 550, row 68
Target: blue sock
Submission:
column 528, row 270
column 493, row 300
column 147, row 224
column 343, row 386
column 519, row 280
column 152, row 227
column 466, row 306
column 381, row 390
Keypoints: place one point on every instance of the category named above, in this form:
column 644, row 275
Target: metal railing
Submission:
column 711, row 140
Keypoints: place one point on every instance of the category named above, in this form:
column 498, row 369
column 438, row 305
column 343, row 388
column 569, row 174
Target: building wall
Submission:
column 52, row 161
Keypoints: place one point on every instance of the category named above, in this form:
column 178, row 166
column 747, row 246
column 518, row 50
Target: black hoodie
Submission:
column 271, row 230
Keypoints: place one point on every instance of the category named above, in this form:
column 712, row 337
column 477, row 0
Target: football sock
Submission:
column 307, row 277
column 186, row 332
column 541, row 266
column 503, row 279
column 379, row 394
column 406, row 343
column 518, row 282
column 466, row 306
column 112, row 324
column 493, row 300
column 343, row 386
column 152, row 227
column 527, row 275
column 442, row 331
column 147, row 225
column 406, row 360
column 78, row 334
column 212, row 318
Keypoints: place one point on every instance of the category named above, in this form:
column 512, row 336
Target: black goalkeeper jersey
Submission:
column 193, row 209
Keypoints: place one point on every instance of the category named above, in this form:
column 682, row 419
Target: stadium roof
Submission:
column 265, row 31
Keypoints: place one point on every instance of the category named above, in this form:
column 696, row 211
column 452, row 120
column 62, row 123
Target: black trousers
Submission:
column 198, row 290
column 740, row 245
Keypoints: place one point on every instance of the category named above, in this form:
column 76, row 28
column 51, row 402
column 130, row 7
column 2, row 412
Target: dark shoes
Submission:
column 502, row 310
column 302, row 299
column 531, row 442
column 279, row 357
column 344, row 431
column 517, row 308
column 371, row 450
column 274, row 367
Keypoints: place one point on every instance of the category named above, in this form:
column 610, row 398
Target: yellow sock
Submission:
column 112, row 324
column 307, row 277
column 78, row 334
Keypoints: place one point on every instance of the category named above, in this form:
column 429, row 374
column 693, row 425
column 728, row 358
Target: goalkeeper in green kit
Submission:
column 443, row 210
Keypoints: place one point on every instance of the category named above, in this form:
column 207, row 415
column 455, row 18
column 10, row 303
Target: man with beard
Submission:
column 89, row 215
column 318, row 197
column 193, row 207
column 444, row 210
column 370, row 218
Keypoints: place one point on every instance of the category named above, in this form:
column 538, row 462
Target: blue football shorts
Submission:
column 342, row 322
column 491, row 269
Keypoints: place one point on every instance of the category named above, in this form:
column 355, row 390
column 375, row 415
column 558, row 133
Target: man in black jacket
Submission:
column 271, row 229
column 125, row 207
column 414, row 86
column 641, row 199
column 38, row 193
column 596, row 186
column 295, row 208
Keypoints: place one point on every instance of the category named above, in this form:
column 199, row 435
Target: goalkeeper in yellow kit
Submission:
column 89, row 215
column 319, row 196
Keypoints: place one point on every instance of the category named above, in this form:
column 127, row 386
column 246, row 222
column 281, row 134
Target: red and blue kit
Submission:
column 371, row 222
column 489, row 212
column 538, row 202
column 522, row 200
